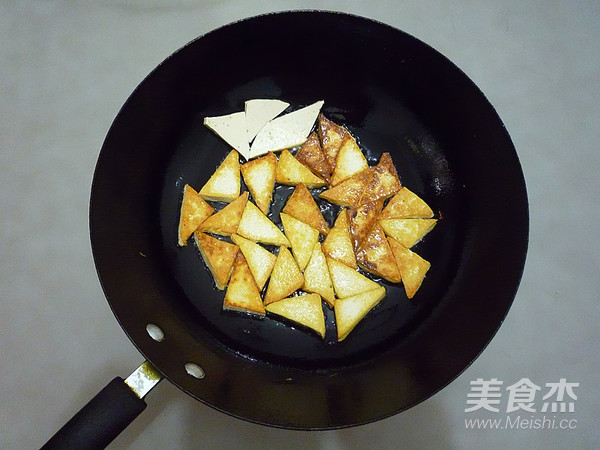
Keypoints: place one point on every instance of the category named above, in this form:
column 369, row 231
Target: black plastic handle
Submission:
column 101, row 420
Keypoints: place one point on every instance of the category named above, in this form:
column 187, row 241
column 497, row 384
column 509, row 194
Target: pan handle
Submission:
column 108, row 413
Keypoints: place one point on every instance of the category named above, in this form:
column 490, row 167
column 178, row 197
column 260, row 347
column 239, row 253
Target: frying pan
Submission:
column 395, row 94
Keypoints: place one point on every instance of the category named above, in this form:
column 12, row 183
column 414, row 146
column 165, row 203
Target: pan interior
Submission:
column 396, row 95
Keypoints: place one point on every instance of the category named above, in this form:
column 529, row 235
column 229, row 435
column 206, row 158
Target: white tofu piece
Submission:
column 232, row 129
column 259, row 112
column 285, row 131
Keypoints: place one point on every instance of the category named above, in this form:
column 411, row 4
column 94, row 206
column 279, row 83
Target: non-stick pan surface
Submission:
column 397, row 95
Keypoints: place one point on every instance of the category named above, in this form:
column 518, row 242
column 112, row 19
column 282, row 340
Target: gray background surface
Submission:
column 67, row 67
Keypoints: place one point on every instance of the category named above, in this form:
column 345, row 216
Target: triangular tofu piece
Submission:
column 286, row 277
column 317, row 278
column 375, row 256
column 292, row 172
column 348, row 281
column 362, row 219
column 194, row 210
column 259, row 111
column 232, row 129
column 384, row 181
column 259, row 176
column 225, row 222
column 412, row 267
column 331, row 135
column 301, row 205
column 224, row 184
column 312, row 156
column 350, row 160
column 406, row 205
column 257, row 227
column 338, row 243
column 407, row 231
column 218, row 256
column 259, row 259
column 242, row 293
column 350, row 191
column 306, row 310
column 350, row 311
column 302, row 236
column 286, row 131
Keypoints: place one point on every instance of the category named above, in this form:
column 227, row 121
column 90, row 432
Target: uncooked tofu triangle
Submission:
column 286, row 277
column 218, row 256
column 259, row 259
column 259, row 112
column 259, row 176
column 350, row 161
column 232, row 129
column 302, row 236
column 193, row 212
column 286, row 131
column 338, row 243
column 301, row 205
column 292, row 172
column 242, row 293
column 317, row 278
column 225, row 222
column 225, row 183
column 348, row 281
column 305, row 310
column 375, row 256
column 349, row 311
column 412, row 267
column 406, row 205
column 257, row 227
column 407, row 231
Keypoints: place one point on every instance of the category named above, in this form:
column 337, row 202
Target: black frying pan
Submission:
column 395, row 94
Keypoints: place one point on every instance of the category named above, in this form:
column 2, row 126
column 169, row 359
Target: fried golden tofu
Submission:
column 306, row 310
column 383, row 181
column 317, row 278
column 225, row 183
column 412, row 267
column 407, row 231
column 350, row 161
column 350, row 191
column 259, row 176
column 331, row 135
column 286, row 277
column 312, row 156
column 301, row 205
column 292, row 172
column 242, row 293
column 218, row 256
column 194, row 211
column 225, row 222
column 362, row 219
column 349, row 311
column 259, row 259
column 348, row 281
column 376, row 257
column 257, row 227
column 406, row 205
column 338, row 243
column 302, row 236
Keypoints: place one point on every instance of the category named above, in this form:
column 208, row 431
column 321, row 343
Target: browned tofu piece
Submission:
column 406, row 205
column 350, row 191
column 218, row 256
column 375, row 256
column 225, row 222
column 383, row 182
column 411, row 266
column 338, row 243
column 312, row 156
column 350, row 161
column 242, row 293
column 331, row 135
column 194, row 211
column 292, row 172
column 362, row 219
column 259, row 176
column 302, row 206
